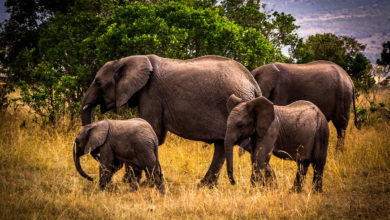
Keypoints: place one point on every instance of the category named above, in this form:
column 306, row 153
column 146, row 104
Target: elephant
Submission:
column 116, row 141
column 185, row 97
column 323, row 83
column 298, row 131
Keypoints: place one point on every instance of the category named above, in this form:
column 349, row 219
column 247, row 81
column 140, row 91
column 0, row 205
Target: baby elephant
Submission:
column 132, row 141
column 298, row 131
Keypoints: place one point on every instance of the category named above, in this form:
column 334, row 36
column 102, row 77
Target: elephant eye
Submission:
column 240, row 125
column 98, row 83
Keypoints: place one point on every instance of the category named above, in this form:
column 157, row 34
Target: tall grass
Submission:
column 38, row 180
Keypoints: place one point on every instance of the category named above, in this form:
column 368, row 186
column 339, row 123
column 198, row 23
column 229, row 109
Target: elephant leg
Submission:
column 127, row 177
column 317, row 177
column 211, row 177
column 261, row 170
column 300, row 177
column 108, row 166
column 105, row 175
column 340, row 121
column 157, row 177
column 154, row 177
column 270, row 176
column 131, row 172
column 135, row 175
column 152, row 113
column 340, row 138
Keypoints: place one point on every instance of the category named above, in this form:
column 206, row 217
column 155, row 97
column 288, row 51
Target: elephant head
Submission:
column 267, row 77
column 89, row 139
column 244, row 120
column 115, row 84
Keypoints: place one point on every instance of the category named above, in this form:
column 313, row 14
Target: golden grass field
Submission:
column 38, row 179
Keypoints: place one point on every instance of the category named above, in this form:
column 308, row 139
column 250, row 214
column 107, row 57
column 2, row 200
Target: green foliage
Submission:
column 178, row 31
column 278, row 28
column 342, row 50
column 385, row 55
column 377, row 113
column 55, row 83
column 359, row 70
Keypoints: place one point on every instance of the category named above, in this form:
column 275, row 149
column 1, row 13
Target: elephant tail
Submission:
column 357, row 124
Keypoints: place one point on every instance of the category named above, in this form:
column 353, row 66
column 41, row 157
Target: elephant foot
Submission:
column 208, row 182
column 340, row 140
column 317, row 188
column 134, row 187
column 109, row 188
column 339, row 148
column 241, row 152
column 126, row 178
column 161, row 189
column 147, row 183
column 295, row 189
column 340, row 145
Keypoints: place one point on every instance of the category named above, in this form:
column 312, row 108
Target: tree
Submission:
column 360, row 73
column 20, row 33
column 385, row 55
column 278, row 28
column 178, row 31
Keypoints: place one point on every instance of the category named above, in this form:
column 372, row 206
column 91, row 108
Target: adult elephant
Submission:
column 185, row 97
column 323, row 83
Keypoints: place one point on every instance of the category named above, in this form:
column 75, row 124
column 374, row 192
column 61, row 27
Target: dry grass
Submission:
column 38, row 180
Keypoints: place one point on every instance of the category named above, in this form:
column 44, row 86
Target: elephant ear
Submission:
column 232, row 102
column 132, row 74
column 97, row 135
column 263, row 109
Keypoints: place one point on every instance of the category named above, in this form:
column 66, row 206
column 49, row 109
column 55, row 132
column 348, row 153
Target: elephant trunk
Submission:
column 76, row 158
column 87, row 114
column 88, row 105
column 228, row 145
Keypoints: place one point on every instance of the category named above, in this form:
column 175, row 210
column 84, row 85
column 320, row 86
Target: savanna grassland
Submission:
column 38, row 179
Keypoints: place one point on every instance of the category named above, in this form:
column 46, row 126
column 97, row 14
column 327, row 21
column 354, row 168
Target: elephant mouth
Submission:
column 103, row 106
column 245, row 143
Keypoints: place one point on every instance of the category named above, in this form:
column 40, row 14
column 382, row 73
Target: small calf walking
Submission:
column 131, row 141
column 298, row 131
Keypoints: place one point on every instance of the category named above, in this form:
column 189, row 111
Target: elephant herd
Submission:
column 215, row 100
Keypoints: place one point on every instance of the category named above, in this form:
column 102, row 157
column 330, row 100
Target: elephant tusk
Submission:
column 85, row 107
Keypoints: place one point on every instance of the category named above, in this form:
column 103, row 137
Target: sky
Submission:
column 366, row 20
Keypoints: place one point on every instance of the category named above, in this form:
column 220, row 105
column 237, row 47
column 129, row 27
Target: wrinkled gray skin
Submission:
column 323, row 83
column 132, row 141
column 185, row 97
column 298, row 131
